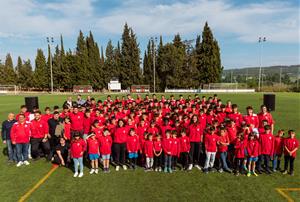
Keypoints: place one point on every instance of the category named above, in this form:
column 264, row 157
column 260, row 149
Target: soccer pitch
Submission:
column 151, row 186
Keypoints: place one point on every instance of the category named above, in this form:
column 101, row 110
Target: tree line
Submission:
column 178, row 64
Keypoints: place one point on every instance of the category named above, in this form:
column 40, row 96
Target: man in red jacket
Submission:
column 39, row 137
column 20, row 136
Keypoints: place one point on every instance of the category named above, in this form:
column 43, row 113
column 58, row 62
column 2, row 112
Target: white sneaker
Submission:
column 159, row 169
column 29, row 156
column 80, row 175
column 92, row 171
column 26, row 163
column 190, row 167
column 19, row 163
column 198, row 167
column 124, row 167
column 117, row 168
column 96, row 171
column 75, row 175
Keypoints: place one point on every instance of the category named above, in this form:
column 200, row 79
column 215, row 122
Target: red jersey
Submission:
column 266, row 143
column 267, row 116
column 133, row 144
column 46, row 117
column 223, row 139
column 148, row 148
column 237, row 117
column 232, row 131
column 210, row 142
column 195, row 133
column 39, row 128
column 175, row 149
column 105, row 144
column 278, row 145
column 76, row 121
column 93, row 146
column 251, row 119
column 20, row 132
column 291, row 144
column 163, row 130
column 87, row 122
column 253, row 148
column 67, row 131
column 167, row 145
column 157, row 145
column 184, row 144
column 77, row 148
column 239, row 149
column 120, row 135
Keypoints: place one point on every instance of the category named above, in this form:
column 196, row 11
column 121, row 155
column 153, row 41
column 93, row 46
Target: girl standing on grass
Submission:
column 93, row 151
column 252, row 150
column 78, row 146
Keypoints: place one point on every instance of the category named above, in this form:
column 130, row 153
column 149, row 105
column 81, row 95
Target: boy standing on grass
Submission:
column 252, row 150
column 167, row 147
column 210, row 141
column 133, row 146
column 148, row 147
column 278, row 150
column 291, row 145
column 105, row 149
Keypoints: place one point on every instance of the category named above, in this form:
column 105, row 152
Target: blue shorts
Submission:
column 93, row 156
column 106, row 157
column 253, row 159
column 132, row 155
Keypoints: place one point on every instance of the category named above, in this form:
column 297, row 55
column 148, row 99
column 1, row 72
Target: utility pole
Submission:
column 50, row 41
column 280, row 73
column 154, row 59
column 260, row 41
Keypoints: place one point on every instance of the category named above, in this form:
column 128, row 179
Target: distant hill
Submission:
column 253, row 71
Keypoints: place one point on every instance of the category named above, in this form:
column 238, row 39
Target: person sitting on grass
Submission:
column 93, row 152
column 291, row 145
column 62, row 154
column 78, row 147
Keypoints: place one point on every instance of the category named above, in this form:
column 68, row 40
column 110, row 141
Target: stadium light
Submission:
column 50, row 41
column 154, row 53
column 260, row 41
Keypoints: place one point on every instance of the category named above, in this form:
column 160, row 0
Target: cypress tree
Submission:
column 9, row 74
column 40, row 72
column 26, row 75
column 82, row 74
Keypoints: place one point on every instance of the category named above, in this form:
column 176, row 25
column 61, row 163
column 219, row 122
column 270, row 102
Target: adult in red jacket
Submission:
column 119, row 145
column 196, row 139
column 39, row 137
column 20, row 136
column 265, row 115
column 266, row 141
column 77, row 118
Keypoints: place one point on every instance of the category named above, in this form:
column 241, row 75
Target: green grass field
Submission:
column 151, row 186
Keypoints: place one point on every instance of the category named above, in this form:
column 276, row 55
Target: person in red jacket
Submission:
column 20, row 136
column 266, row 141
column 148, row 150
column 157, row 150
column 87, row 123
column 252, row 150
column 196, row 139
column 119, row 145
column 93, row 151
column 210, row 141
column 39, row 137
column 76, row 121
column 133, row 146
column 105, row 149
column 291, row 145
column 278, row 150
column 78, row 147
column 175, row 149
column 67, row 129
column 184, row 142
column 239, row 146
column 222, row 150
column 167, row 148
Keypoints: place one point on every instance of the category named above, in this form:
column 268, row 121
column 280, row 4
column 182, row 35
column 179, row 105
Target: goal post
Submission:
column 9, row 89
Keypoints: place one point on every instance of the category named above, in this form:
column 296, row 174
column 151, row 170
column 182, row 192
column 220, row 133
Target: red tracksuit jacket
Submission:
column 77, row 148
column 20, row 133
column 195, row 133
column 120, row 135
column 185, row 144
column 157, row 145
column 175, row 147
column 133, row 144
column 266, row 144
column 210, row 142
column 67, row 129
column 167, row 145
column 278, row 145
column 239, row 149
column 148, row 148
column 291, row 144
column 253, row 148
column 93, row 146
column 77, row 121
column 39, row 128
column 223, row 139
column 105, row 145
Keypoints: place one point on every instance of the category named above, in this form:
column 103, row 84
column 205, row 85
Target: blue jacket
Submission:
column 6, row 127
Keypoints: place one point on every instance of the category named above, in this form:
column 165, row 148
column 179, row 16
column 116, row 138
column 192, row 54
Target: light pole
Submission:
column 50, row 41
column 154, row 54
column 260, row 41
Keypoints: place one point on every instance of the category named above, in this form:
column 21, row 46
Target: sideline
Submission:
column 281, row 191
column 37, row 185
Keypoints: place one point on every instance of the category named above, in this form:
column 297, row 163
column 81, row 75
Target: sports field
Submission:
column 151, row 186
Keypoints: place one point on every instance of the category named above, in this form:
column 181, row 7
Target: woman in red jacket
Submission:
column 119, row 145
column 196, row 139
column 78, row 146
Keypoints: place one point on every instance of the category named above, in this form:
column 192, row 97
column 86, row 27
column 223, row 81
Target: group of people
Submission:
column 159, row 134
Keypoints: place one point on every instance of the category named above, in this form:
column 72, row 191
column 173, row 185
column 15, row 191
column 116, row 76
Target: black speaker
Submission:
column 31, row 103
column 269, row 101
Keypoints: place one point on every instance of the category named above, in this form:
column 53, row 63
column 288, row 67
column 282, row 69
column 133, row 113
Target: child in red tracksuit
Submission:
column 167, row 147
column 78, row 146
column 93, row 151
column 157, row 149
column 175, row 150
column 278, row 150
column 239, row 152
column 222, row 150
column 252, row 150
column 266, row 141
column 184, row 142
column 105, row 149
column 148, row 150
column 133, row 146
column 291, row 145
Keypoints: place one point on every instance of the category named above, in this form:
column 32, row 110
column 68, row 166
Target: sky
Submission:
column 236, row 24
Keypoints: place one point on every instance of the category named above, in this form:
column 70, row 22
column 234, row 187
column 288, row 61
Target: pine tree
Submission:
column 9, row 74
column 40, row 72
